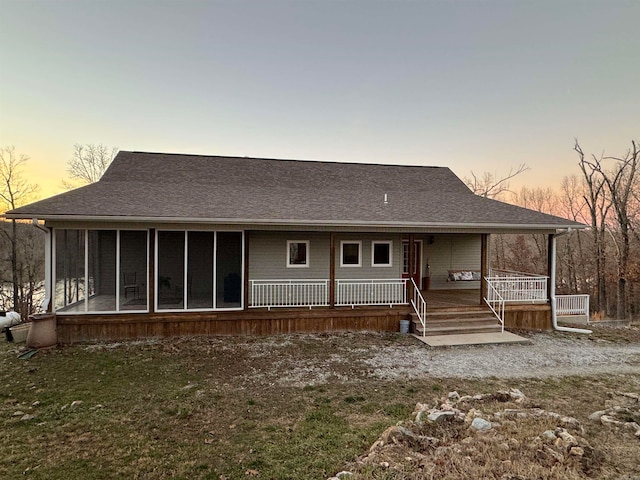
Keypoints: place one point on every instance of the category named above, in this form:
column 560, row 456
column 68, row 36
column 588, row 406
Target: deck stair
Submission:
column 457, row 320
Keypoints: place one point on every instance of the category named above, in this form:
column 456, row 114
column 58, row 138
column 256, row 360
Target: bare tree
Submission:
column 490, row 185
column 88, row 163
column 14, row 191
column 29, row 268
column 598, row 204
column 620, row 181
column 572, row 206
column 612, row 191
column 543, row 200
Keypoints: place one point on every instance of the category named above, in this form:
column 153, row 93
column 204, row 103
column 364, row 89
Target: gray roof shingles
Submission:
column 170, row 186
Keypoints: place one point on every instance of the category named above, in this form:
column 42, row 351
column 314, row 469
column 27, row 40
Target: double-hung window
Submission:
column 381, row 254
column 350, row 253
column 297, row 253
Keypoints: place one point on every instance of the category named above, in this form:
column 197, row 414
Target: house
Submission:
column 168, row 244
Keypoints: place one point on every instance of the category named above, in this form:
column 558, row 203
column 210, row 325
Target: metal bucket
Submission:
column 404, row 326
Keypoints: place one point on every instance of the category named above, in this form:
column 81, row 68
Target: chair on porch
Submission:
column 180, row 287
column 130, row 284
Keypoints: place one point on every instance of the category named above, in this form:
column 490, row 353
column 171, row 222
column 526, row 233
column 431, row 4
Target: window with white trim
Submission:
column 350, row 253
column 297, row 253
column 381, row 254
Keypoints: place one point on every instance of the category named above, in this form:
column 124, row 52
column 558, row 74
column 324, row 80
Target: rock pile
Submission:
column 455, row 427
column 622, row 411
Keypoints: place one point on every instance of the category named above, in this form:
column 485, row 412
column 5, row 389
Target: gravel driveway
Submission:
column 549, row 354
column 351, row 357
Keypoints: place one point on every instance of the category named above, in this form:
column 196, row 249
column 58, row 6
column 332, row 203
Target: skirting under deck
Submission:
column 83, row 328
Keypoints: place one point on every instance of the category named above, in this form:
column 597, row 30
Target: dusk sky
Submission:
column 472, row 85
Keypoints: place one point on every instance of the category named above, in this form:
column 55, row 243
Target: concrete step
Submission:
column 471, row 339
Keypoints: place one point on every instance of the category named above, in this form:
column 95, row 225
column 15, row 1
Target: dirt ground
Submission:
column 285, row 406
column 351, row 357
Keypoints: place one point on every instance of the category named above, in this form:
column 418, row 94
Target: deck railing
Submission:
column 371, row 292
column 315, row 293
column 572, row 305
column 289, row 293
column 519, row 287
column 419, row 305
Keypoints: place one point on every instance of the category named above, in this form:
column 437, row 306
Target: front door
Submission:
column 417, row 267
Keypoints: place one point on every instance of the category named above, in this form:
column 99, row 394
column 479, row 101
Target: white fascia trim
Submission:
column 294, row 222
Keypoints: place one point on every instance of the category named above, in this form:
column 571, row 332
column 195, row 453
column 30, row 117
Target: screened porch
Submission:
column 111, row 271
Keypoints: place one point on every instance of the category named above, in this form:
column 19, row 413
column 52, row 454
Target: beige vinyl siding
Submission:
column 366, row 270
column 268, row 256
column 452, row 252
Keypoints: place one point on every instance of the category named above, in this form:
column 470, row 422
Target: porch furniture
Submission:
column 130, row 284
column 463, row 275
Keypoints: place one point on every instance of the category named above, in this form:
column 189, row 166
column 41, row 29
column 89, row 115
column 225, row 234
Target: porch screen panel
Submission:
column 229, row 270
column 200, row 270
column 102, row 270
column 170, row 279
column 70, row 289
column 133, row 270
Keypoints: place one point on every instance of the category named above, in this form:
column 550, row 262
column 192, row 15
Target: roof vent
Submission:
column 386, row 199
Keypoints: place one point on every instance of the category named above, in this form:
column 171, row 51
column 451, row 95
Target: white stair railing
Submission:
column 495, row 301
column 419, row 305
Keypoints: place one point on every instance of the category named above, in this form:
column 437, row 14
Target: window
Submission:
column 350, row 253
column 381, row 254
column 297, row 253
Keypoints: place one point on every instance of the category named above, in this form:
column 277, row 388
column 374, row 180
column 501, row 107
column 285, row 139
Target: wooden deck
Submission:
column 452, row 298
column 131, row 325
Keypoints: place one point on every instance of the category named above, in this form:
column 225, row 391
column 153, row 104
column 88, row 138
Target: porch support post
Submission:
column 245, row 273
column 332, row 269
column 484, row 265
column 412, row 263
column 47, row 304
column 152, row 269
column 551, row 252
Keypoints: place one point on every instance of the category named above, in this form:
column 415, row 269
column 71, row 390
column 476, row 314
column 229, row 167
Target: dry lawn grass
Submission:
column 302, row 407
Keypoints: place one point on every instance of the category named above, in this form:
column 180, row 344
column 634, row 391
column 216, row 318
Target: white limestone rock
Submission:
column 480, row 424
column 440, row 415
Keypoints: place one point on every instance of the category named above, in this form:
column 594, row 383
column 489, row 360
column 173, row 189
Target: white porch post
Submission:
column 47, row 304
column 332, row 269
